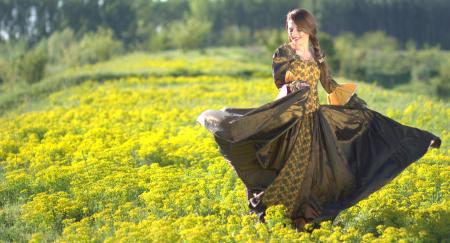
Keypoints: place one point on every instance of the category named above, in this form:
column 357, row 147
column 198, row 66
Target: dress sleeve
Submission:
column 338, row 94
column 280, row 65
column 341, row 94
column 329, row 85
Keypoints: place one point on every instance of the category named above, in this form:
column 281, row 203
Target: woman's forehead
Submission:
column 291, row 24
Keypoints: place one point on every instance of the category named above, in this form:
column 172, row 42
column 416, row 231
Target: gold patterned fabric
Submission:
column 286, row 188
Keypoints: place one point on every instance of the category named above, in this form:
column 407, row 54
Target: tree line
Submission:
column 40, row 38
column 148, row 23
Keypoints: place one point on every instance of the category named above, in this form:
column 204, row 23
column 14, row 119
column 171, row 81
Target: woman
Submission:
column 316, row 160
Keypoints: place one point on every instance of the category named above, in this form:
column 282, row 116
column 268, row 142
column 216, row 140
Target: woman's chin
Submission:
column 296, row 41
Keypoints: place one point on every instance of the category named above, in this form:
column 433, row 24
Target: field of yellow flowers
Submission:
column 124, row 160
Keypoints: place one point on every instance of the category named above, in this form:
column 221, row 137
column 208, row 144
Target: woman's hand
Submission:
column 297, row 85
column 283, row 92
column 287, row 88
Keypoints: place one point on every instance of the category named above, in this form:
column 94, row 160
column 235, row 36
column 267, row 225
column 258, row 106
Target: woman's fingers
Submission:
column 283, row 92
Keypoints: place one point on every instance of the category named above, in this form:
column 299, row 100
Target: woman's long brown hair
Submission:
column 305, row 21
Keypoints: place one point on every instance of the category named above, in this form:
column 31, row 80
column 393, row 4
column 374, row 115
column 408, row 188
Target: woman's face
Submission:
column 296, row 35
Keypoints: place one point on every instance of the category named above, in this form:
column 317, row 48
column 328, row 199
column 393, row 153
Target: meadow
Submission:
column 112, row 152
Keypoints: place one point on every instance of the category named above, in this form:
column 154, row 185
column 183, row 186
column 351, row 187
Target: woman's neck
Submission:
column 300, row 47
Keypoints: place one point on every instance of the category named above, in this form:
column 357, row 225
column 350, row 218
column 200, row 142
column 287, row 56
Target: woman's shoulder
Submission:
column 281, row 51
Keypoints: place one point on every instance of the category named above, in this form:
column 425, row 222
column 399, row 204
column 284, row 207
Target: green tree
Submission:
column 120, row 17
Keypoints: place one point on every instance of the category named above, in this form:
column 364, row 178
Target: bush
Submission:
column 373, row 57
column 235, row 35
column 348, row 56
column 387, row 68
column 377, row 40
column 9, row 52
column 158, row 40
column 328, row 48
column 4, row 74
column 93, row 47
column 426, row 64
column 270, row 38
column 441, row 84
column 31, row 66
column 190, row 33
column 12, row 49
column 58, row 43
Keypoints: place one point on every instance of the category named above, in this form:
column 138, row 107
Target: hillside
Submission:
column 112, row 152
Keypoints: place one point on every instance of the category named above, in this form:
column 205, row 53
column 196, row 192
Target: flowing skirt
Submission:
column 315, row 163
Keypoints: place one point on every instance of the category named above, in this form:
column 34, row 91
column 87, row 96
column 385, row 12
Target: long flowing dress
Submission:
column 316, row 160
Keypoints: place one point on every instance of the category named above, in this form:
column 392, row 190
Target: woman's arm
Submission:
column 338, row 94
column 329, row 85
column 280, row 71
column 341, row 94
column 280, row 65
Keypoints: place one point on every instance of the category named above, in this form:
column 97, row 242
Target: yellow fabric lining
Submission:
column 342, row 94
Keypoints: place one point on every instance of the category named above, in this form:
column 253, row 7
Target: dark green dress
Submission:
column 317, row 160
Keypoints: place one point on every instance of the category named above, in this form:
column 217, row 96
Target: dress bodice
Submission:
column 309, row 72
column 290, row 70
column 303, row 70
